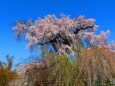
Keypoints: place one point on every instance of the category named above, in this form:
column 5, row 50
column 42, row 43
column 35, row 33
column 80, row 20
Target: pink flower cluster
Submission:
column 56, row 30
column 21, row 71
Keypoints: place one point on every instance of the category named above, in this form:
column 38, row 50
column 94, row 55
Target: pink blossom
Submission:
column 52, row 29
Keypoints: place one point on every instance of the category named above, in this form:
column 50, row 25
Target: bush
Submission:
column 6, row 73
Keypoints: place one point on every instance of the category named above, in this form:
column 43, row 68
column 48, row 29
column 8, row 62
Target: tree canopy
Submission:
column 61, row 33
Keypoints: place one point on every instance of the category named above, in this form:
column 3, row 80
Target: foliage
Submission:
column 91, row 67
column 56, row 71
column 6, row 73
column 97, row 65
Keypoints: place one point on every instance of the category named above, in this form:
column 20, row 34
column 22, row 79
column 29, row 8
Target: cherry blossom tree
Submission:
column 61, row 33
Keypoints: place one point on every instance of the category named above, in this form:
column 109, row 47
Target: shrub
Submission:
column 6, row 73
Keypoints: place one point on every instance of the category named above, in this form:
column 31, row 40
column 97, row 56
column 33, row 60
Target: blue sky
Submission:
column 11, row 10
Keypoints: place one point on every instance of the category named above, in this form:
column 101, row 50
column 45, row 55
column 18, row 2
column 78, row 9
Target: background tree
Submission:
column 97, row 66
column 7, row 74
